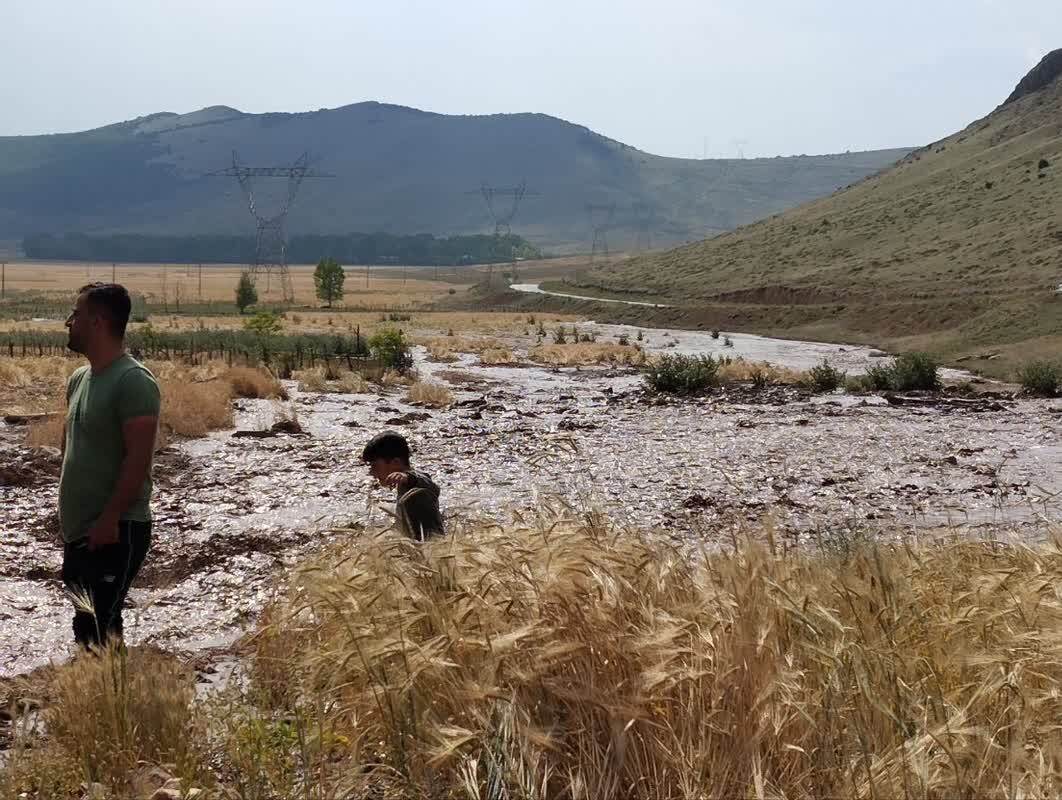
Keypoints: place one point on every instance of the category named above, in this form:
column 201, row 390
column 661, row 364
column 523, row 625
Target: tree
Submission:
column 328, row 278
column 246, row 294
column 388, row 346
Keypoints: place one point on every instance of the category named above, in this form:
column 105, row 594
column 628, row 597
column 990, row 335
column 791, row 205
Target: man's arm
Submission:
column 139, row 437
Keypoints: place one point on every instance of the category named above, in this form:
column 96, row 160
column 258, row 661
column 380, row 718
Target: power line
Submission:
column 600, row 215
column 502, row 204
column 270, row 245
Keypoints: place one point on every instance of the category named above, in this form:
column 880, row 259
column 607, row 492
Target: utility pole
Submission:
column 271, row 253
column 200, row 283
column 366, row 276
column 3, row 280
column 502, row 219
column 114, row 273
column 600, row 220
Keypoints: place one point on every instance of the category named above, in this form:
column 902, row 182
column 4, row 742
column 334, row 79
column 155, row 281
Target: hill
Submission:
column 397, row 170
column 957, row 248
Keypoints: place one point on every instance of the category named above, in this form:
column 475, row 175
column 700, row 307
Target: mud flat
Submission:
column 232, row 512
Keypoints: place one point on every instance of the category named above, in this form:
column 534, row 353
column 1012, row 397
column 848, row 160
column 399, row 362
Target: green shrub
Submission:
column 1041, row 378
column 878, row 378
column 825, row 378
column 389, row 346
column 264, row 323
column 560, row 336
column 915, row 371
column 909, row 372
column 857, row 384
column 682, row 374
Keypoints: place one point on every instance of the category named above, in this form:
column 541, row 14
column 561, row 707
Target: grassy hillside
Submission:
column 958, row 248
column 397, row 170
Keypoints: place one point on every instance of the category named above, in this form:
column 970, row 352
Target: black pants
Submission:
column 104, row 576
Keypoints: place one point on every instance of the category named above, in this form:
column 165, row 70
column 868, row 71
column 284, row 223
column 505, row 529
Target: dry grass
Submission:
column 387, row 288
column 740, row 370
column 352, row 383
column 313, row 379
column 255, row 383
column 110, row 719
column 446, row 348
column 583, row 662
column 497, row 355
column 573, row 660
column 431, row 394
column 193, row 409
column 586, row 354
column 392, row 377
column 195, row 399
column 321, row 380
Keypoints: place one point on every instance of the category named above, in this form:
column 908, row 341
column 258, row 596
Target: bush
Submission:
column 912, row 371
column 389, row 346
column 682, row 374
column 264, row 323
column 1041, row 378
column 825, row 378
column 878, row 378
column 909, row 372
column 254, row 383
column 431, row 394
column 559, row 335
column 715, row 334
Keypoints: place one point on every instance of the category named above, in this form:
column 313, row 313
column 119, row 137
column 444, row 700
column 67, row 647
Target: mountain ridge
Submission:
column 397, row 170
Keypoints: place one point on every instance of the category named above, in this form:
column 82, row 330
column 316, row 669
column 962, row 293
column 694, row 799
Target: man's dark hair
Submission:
column 386, row 445
column 112, row 301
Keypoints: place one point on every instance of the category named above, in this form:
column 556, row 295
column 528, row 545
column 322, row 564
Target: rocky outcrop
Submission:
column 1042, row 75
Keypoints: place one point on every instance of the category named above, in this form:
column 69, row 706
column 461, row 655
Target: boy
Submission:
column 417, row 504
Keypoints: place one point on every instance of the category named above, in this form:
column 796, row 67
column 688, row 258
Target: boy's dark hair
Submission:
column 386, row 445
column 112, row 301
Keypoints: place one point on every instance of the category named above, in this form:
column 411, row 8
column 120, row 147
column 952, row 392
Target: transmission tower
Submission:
column 270, row 244
column 502, row 205
column 643, row 220
column 600, row 215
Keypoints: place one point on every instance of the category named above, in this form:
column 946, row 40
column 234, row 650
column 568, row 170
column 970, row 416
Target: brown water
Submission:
column 231, row 513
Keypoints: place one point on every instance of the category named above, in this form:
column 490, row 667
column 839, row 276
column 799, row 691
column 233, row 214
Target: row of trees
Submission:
column 353, row 248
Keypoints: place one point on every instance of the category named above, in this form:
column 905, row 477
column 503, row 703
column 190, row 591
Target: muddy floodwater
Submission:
column 232, row 512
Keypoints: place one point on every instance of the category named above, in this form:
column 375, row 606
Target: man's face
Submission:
column 380, row 468
column 82, row 324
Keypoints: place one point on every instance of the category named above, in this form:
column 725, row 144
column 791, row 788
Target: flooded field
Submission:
column 230, row 512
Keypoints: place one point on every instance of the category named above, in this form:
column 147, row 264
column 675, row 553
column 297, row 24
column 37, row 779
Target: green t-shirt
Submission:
column 98, row 405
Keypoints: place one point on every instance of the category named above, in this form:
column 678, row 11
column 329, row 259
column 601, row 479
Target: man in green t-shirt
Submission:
column 108, row 443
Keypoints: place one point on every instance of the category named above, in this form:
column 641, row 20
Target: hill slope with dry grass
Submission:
column 958, row 247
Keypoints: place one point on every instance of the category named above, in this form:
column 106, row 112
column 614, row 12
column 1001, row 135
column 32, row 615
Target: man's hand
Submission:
column 103, row 533
column 396, row 480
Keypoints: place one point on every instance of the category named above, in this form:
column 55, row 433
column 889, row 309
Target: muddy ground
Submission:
column 231, row 512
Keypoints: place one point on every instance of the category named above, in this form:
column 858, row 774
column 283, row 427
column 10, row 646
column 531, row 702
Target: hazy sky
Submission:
column 674, row 77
